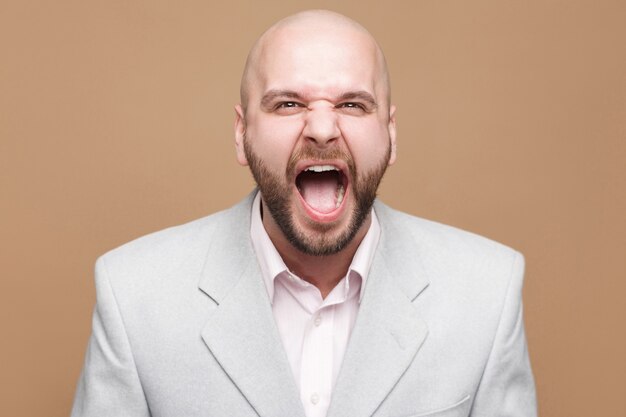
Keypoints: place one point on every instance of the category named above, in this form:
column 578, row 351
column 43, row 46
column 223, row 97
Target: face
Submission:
column 317, row 134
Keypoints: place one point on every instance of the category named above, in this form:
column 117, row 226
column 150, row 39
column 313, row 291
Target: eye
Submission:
column 352, row 106
column 288, row 107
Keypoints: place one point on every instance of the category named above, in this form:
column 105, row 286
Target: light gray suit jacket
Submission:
column 183, row 327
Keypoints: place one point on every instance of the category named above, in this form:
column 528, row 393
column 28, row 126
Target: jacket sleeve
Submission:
column 109, row 384
column 507, row 388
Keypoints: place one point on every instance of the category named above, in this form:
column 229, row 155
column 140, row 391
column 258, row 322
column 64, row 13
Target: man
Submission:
column 308, row 298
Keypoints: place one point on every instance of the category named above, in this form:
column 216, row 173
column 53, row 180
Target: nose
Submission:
column 321, row 127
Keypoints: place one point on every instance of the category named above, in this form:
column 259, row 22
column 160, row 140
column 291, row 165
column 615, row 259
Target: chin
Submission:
column 320, row 238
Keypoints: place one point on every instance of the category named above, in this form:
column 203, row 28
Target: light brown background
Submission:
column 116, row 116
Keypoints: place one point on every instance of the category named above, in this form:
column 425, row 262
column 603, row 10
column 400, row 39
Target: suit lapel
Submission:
column 388, row 332
column 241, row 333
column 242, row 336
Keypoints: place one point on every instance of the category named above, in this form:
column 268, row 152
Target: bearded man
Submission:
column 310, row 298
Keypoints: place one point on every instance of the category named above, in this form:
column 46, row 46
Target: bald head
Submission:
column 312, row 29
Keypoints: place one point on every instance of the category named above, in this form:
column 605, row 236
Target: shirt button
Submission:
column 318, row 321
column 315, row 398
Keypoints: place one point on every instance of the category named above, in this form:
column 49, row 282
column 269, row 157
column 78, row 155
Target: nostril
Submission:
column 318, row 141
column 321, row 129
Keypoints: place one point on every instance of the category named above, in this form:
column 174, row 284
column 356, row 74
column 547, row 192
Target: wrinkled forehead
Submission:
column 318, row 61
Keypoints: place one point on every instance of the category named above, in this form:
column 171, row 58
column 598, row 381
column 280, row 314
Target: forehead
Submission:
column 315, row 63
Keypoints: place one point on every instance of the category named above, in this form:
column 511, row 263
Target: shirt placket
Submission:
column 317, row 354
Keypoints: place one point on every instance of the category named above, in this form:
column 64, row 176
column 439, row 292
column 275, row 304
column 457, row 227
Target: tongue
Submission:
column 319, row 190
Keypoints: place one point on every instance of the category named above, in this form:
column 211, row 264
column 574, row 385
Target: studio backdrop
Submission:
column 116, row 120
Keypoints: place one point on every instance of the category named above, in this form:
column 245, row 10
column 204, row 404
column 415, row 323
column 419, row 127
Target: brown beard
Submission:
column 276, row 190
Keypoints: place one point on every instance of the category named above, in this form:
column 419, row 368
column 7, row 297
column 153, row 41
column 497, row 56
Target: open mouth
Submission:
column 322, row 187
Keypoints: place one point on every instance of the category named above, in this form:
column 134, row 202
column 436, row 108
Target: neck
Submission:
column 324, row 272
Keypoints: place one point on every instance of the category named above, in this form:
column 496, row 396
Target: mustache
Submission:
column 310, row 152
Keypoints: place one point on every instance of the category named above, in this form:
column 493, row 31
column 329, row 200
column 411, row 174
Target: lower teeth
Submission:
column 340, row 192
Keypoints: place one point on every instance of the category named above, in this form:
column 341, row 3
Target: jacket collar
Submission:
column 389, row 330
column 240, row 332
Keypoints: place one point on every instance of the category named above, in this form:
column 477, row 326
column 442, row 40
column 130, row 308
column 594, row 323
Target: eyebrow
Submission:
column 272, row 95
column 359, row 95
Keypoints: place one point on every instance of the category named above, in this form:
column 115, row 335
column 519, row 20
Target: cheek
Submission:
column 274, row 140
column 367, row 141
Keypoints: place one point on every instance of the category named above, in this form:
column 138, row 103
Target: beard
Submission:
column 276, row 191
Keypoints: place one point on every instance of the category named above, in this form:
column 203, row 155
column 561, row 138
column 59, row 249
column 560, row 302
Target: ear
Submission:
column 240, row 135
column 391, row 127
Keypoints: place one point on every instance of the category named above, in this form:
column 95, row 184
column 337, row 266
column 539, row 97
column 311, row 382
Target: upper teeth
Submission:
column 322, row 168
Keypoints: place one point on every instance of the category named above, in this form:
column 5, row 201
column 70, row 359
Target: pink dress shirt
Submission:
column 314, row 331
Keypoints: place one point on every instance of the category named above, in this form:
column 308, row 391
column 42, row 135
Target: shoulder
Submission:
column 454, row 259
column 174, row 250
column 439, row 237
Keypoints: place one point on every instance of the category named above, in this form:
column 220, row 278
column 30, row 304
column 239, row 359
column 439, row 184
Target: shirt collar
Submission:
column 272, row 264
